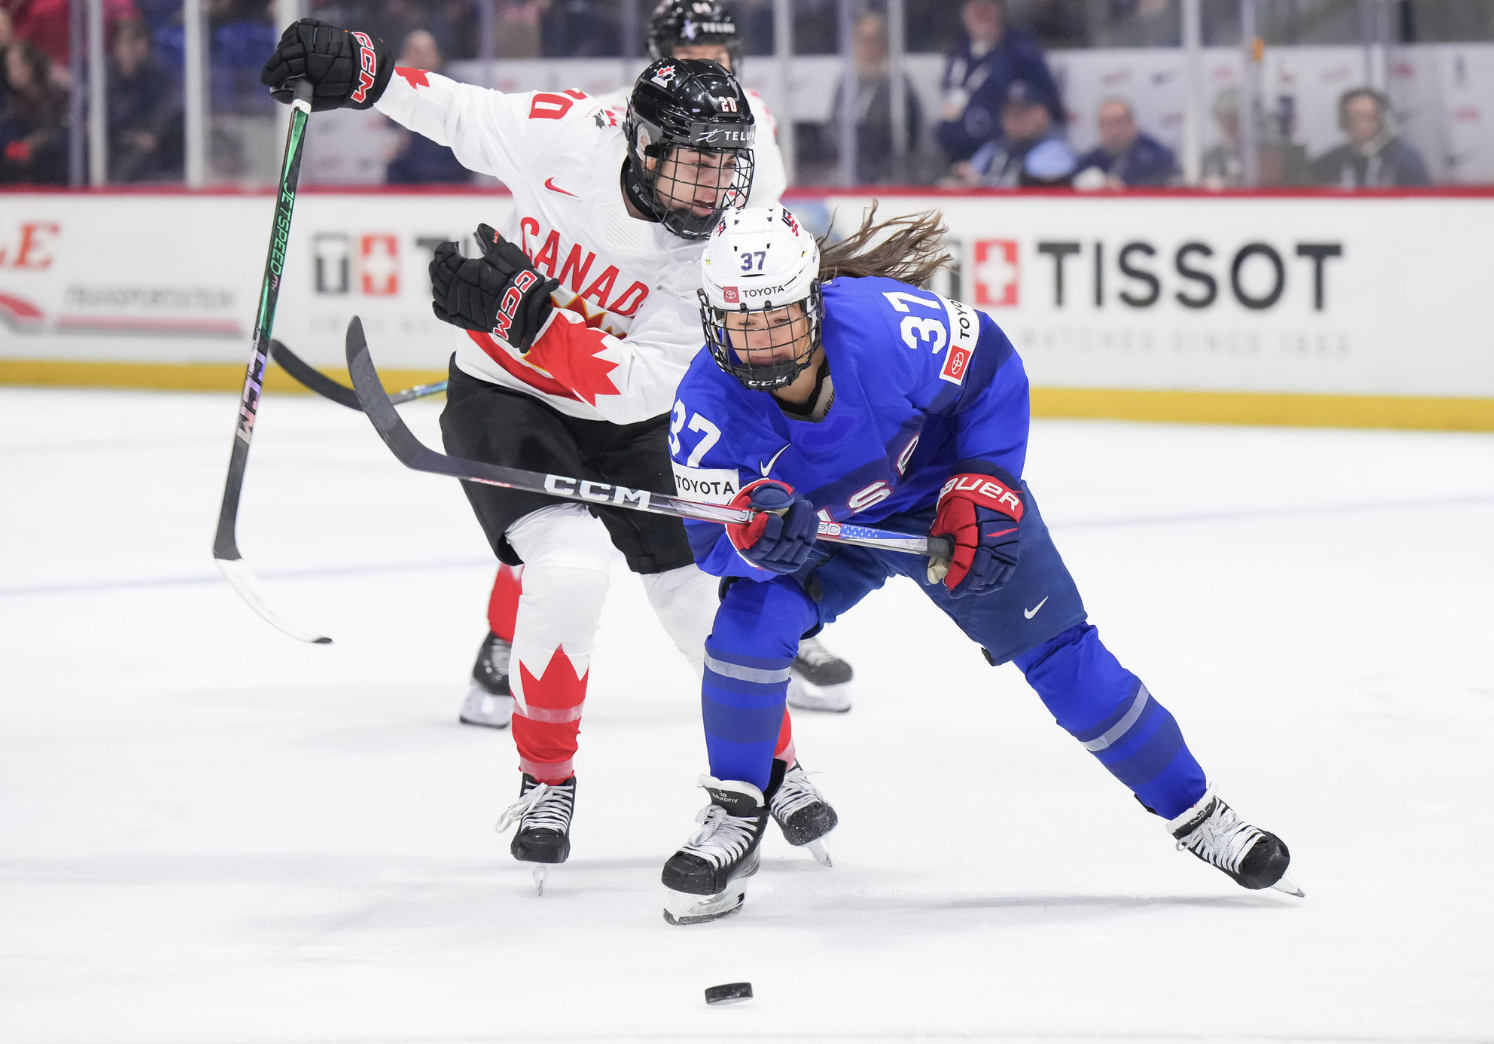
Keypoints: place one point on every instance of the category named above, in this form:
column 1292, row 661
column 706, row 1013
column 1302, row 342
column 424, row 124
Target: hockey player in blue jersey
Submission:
column 837, row 388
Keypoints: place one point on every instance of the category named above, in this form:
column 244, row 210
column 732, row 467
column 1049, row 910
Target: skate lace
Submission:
column 795, row 792
column 1222, row 839
column 813, row 653
column 546, row 807
column 721, row 837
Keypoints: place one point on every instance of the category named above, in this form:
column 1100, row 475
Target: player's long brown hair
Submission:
column 908, row 248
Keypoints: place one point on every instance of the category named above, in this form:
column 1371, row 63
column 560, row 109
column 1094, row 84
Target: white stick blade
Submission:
column 247, row 585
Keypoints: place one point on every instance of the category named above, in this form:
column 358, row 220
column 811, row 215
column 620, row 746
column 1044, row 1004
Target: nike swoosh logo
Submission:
column 1030, row 613
column 550, row 184
column 765, row 468
column 1003, row 532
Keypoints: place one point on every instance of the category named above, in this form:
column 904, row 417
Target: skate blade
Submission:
column 483, row 708
column 820, row 852
column 1290, row 887
column 805, row 695
column 685, row 908
column 541, row 874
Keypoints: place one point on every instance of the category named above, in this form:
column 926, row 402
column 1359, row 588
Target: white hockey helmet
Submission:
column 761, row 260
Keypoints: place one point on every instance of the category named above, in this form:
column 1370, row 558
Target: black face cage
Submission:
column 695, row 178
column 762, row 376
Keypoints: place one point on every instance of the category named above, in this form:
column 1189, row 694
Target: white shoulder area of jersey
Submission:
column 760, row 111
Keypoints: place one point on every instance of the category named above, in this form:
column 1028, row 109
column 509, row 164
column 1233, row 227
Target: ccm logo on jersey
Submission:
column 598, row 492
column 510, row 304
column 369, row 63
column 978, row 487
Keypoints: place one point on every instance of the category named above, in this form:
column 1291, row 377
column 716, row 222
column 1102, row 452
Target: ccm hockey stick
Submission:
column 225, row 541
column 339, row 393
column 412, row 453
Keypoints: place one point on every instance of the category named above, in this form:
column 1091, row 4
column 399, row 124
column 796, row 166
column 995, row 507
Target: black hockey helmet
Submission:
column 690, row 134
column 693, row 23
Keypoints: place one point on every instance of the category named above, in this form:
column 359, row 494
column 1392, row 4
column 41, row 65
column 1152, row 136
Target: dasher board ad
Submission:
column 1316, row 294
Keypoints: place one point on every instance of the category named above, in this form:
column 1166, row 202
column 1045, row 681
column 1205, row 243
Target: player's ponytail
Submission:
column 908, row 248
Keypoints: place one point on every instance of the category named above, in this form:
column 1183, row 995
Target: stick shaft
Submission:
column 225, row 543
column 415, row 454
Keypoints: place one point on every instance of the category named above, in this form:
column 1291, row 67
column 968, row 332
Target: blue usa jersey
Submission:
column 921, row 384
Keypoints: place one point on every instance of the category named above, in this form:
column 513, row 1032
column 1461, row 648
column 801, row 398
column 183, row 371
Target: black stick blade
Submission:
column 313, row 378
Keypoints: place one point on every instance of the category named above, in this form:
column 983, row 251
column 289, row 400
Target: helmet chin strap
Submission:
column 637, row 193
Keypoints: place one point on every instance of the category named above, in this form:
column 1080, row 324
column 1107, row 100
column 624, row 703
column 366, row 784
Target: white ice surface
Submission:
column 212, row 834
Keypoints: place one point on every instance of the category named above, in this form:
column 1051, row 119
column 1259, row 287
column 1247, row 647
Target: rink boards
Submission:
column 1272, row 309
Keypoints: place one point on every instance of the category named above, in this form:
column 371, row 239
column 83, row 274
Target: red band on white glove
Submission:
column 986, row 491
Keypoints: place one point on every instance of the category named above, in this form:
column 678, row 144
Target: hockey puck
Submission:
column 730, row 993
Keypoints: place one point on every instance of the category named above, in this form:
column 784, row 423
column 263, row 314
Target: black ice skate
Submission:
column 489, row 701
column 819, row 680
column 800, row 810
column 706, row 878
column 1253, row 857
column 543, row 813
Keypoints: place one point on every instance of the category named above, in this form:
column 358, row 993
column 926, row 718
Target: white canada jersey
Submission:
column 769, row 176
column 627, row 321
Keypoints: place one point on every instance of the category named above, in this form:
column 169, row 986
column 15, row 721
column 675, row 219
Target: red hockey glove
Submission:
column 981, row 511
column 782, row 535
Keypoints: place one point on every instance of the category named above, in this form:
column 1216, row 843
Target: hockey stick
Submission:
column 225, row 541
column 412, row 453
column 341, row 394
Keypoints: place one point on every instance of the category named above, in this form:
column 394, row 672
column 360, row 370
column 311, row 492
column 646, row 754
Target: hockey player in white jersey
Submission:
column 580, row 320
column 820, row 680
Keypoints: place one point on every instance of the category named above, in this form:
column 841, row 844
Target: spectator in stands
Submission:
column 420, row 161
column 1127, row 156
column 872, row 106
column 1374, row 156
column 33, row 128
column 7, row 36
column 145, row 110
column 517, row 28
column 981, row 69
column 46, row 24
column 1223, row 164
column 1030, row 151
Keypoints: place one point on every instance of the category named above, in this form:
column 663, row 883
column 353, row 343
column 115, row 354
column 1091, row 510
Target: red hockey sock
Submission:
column 785, row 750
column 503, row 603
column 548, row 720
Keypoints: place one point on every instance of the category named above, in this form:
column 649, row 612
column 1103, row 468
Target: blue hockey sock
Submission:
column 748, row 655
column 1107, row 709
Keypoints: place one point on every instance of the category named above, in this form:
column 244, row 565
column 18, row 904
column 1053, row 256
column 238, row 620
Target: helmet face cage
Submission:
column 693, row 23
column 781, row 333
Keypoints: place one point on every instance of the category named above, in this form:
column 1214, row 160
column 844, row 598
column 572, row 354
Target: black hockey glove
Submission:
column 499, row 293
column 346, row 69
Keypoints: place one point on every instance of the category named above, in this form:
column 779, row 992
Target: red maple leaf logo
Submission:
column 558, row 688
column 588, row 317
column 414, row 77
column 570, row 352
